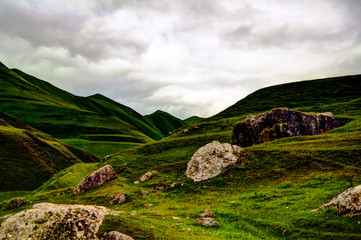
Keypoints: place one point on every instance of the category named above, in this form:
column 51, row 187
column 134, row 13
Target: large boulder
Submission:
column 96, row 178
column 114, row 235
column 211, row 160
column 52, row 221
column 347, row 203
column 279, row 123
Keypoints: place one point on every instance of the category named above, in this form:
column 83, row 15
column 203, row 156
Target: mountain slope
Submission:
column 61, row 119
column 97, row 103
column 315, row 93
column 29, row 157
column 165, row 122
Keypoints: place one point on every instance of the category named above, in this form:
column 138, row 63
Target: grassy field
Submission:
column 267, row 195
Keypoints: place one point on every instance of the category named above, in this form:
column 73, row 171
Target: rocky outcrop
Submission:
column 347, row 203
column 114, row 235
column 16, row 202
column 279, row 123
column 52, row 221
column 211, row 160
column 117, row 198
column 206, row 213
column 145, row 177
column 96, row 178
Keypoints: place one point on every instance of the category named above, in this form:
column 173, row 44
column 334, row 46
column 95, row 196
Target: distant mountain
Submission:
column 29, row 157
column 165, row 122
column 193, row 119
column 79, row 121
column 301, row 95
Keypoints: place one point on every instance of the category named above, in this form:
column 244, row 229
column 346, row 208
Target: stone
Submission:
column 206, row 222
column 148, row 205
column 145, row 193
column 279, row 123
column 211, row 160
column 347, row 203
column 117, row 198
column 145, row 177
column 16, row 202
column 173, row 185
column 95, row 179
column 55, row 221
column 159, row 188
column 207, row 213
column 114, row 235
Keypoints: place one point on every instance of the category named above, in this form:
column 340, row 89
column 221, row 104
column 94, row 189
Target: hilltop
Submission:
column 165, row 122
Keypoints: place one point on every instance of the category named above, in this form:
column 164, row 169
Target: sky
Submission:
column 181, row 56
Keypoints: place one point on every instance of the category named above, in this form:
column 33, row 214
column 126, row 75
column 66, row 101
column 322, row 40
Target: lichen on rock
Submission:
column 279, row 123
column 55, row 221
column 95, row 179
column 211, row 160
column 347, row 203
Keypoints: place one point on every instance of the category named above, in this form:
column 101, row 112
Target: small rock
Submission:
column 348, row 202
column 145, row 193
column 159, row 188
column 148, row 205
column 117, row 198
column 16, row 202
column 185, row 130
column 106, row 158
column 175, row 218
column 206, row 222
column 95, row 179
column 173, row 185
column 114, row 235
column 133, row 214
column 145, row 177
column 207, row 213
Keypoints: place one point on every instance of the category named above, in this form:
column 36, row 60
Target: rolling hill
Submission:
column 29, row 157
column 165, row 122
column 84, row 122
column 269, row 194
column 193, row 119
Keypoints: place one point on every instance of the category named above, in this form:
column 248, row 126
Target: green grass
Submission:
column 267, row 195
column 192, row 120
column 29, row 157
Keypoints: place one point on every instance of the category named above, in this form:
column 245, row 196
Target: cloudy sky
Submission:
column 187, row 57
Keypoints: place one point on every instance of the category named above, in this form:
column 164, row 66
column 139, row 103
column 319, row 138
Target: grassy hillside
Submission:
column 29, row 157
column 97, row 103
column 51, row 110
column 193, row 119
column 269, row 195
column 165, row 122
column 312, row 94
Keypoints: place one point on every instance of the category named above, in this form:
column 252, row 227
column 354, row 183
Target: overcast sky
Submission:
column 181, row 56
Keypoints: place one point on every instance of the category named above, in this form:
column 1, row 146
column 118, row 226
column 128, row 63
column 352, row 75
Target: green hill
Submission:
column 165, row 122
column 99, row 104
column 58, row 113
column 268, row 195
column 193, row 119
column 29, row 157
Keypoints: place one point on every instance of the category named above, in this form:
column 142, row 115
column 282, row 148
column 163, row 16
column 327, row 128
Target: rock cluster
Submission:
column 95, row 179
column 279, row 123
column 347, row 203
column 145, row 177
column 211, row 160
column 16, row 202
column 52, row 221
column 206, row 219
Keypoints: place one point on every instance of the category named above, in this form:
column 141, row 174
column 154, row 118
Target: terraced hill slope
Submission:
column 29, row 157
column 165, row 122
